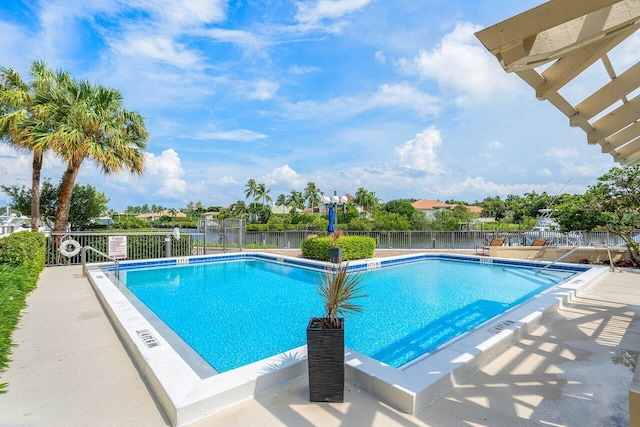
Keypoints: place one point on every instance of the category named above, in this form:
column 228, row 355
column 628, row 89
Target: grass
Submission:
column 15, row 285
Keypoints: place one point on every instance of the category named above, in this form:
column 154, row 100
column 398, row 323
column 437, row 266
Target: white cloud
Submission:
column 240, row 135
column 495, row 144
column 562, row 153
column 13, row 44
column 188, row 12
column 157, row 48
column 380, row 57
column 15, row 166
column 284, row 176
column 163, row 174
column 479, row 185
column 264, row 90
column 227, row 180
column 311, row 12
column 398, row 96
column 461, row 63
column 239, row 37
column 576, row 168
column 407, row 96
column 419, row 153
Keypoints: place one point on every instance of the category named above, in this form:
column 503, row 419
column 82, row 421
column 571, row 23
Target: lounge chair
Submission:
column 494, row 242
column 539, row 242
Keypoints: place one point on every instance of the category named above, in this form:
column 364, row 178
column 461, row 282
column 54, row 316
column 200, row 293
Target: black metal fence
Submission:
column 139, row 245
column 441, row 239
column 226, row 236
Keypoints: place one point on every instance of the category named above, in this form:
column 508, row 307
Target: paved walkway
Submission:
column 70, row 369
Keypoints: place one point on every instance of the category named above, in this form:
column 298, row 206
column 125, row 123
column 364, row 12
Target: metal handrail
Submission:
column 610, row 258
column 84, row 260
column 558, row 259
column 575, row 249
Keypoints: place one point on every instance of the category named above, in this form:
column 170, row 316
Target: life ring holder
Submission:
column 69, row 248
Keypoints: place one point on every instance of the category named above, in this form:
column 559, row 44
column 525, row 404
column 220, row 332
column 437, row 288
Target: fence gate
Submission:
column 222, row 234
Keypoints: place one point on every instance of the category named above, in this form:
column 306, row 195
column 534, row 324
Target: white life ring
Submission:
column 176, row 233
column 70, row 248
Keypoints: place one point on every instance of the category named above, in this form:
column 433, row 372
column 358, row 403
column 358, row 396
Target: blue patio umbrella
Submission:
column 332, row 219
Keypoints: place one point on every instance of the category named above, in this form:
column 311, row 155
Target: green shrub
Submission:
column 23, row 249
column 22, row 258
column 353, row 247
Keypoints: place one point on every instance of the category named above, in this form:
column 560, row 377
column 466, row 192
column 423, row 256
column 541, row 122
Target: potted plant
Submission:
column 325, row 335
column 335, row 251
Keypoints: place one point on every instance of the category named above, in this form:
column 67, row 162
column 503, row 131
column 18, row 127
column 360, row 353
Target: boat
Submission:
column 547, row 228
column 12, row 222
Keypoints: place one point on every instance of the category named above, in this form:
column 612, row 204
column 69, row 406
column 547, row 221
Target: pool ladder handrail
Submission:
column 609, row 254
column 573, row 250
column 84, row 260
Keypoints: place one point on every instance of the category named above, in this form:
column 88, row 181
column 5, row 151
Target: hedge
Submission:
column 24, row 249
column 353, row 247
column 22, row 258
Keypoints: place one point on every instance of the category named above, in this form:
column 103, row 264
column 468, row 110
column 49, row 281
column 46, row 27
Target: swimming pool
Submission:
column 246, row 310
column 188, row 389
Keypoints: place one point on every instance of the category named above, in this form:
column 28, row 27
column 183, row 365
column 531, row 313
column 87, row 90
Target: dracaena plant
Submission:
column 338, row 290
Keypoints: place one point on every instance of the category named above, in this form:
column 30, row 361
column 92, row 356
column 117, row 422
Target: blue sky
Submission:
column 397, row 96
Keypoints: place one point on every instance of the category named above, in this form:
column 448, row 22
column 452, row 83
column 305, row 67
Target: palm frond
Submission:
column 338, row 290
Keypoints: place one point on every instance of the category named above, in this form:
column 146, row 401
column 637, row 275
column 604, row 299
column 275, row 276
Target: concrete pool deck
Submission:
column 574, row 369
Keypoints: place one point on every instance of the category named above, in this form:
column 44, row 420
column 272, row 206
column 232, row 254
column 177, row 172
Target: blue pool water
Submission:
column 238, row 312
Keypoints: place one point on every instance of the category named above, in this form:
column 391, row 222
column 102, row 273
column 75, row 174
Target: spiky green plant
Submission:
column 338, row 290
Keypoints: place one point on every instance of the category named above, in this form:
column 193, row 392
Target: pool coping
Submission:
column 186, row 398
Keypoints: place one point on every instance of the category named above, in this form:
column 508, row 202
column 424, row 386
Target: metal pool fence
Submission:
column 139, row 245
column 439, row 239
column 230, row 236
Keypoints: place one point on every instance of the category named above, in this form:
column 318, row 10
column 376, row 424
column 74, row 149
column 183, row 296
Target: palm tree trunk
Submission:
column 64, row 199
column 35, row 189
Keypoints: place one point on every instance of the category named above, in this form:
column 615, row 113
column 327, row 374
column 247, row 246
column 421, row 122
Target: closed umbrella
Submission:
column 332, row 219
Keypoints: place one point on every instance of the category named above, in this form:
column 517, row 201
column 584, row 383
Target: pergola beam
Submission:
column 626, row 151
column 612, row 143
column 536, row 20
column 574, row 34
column 616, row 90
column 615, row 121
column 572, row 64
column 630, row 159
column 555, row 42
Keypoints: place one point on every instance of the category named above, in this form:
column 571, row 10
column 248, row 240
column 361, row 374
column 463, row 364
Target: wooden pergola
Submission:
column 551, row 45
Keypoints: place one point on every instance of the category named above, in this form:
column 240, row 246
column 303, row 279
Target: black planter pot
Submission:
column 335, row 255
column 325, row 354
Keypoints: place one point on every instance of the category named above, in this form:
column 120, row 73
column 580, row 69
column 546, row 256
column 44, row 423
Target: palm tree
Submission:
column 251, row 188
column 295, row 201
column 262, row 192
column 281, row 200
column 366, row 199
column 312, row 195
column 239, row 209
column 23, row 106
column 91, row 124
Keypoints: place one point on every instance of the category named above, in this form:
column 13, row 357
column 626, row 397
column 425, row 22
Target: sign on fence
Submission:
column 118, row 247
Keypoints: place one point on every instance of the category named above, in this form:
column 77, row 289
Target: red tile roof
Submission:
column 431, row 205
column 427, row 205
